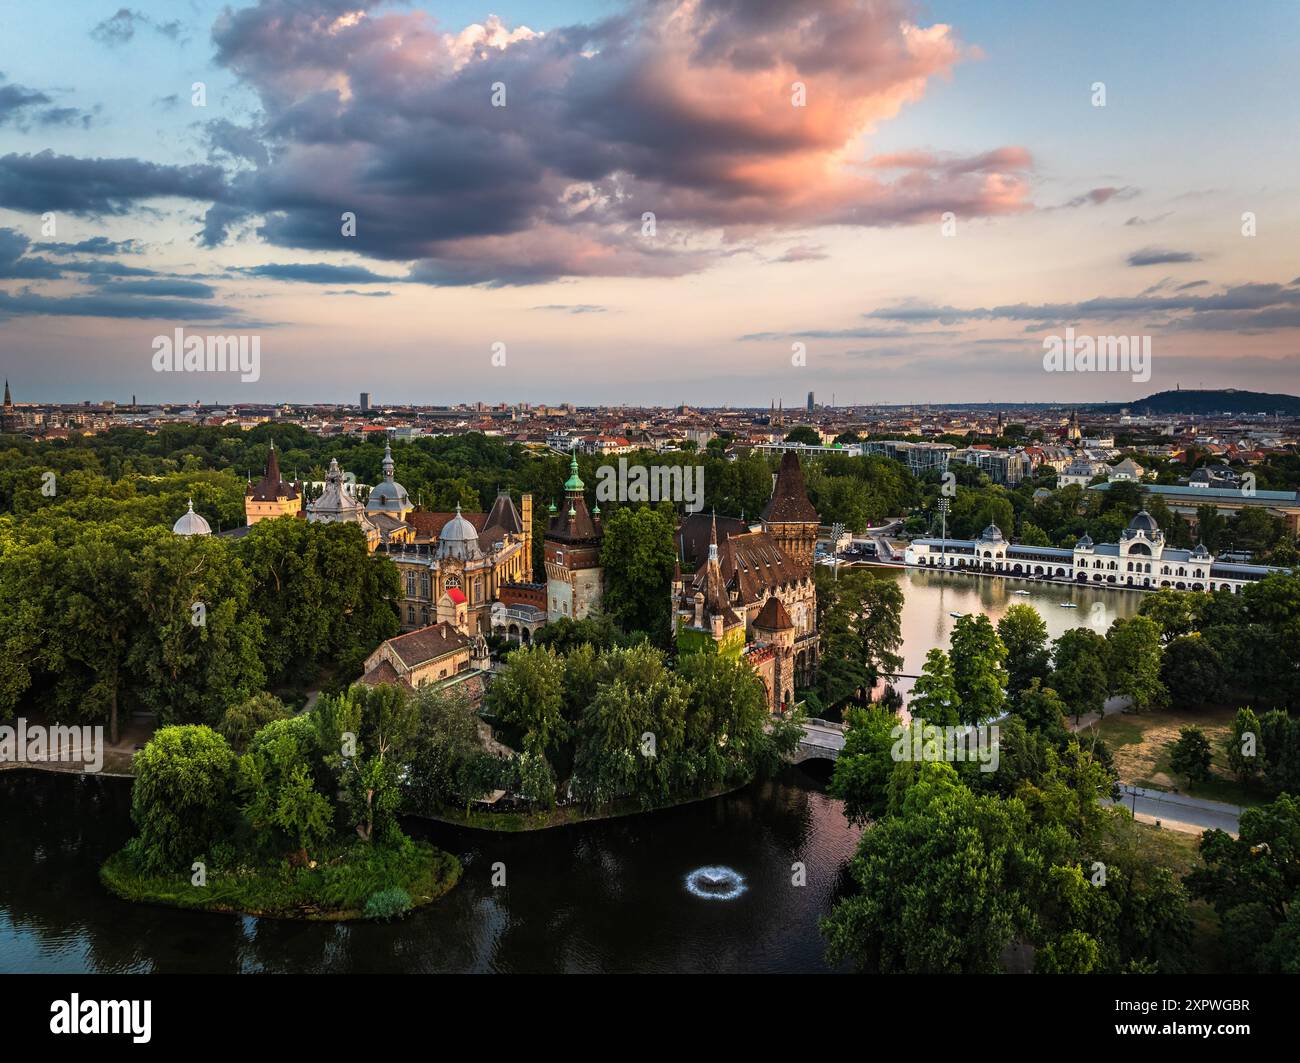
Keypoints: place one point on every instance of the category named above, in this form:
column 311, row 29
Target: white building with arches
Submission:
column 1141, row 560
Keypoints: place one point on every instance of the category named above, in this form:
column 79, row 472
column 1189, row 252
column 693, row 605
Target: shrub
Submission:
column 387, row 904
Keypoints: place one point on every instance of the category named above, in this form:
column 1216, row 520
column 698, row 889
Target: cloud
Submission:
column 20, row 107
column 97, row 245
column 1096, row 197
column 1135, row 220
column 574, row 308
column 1240, row 307
column 15, row 264
column 93, row 187
column 119, row 28
column 318, row 273
column 163, row 286
column 802, row 253
column 108, row 305
column 683, row 110
column 1156, row 256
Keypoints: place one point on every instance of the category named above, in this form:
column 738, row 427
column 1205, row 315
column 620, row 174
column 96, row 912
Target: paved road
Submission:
column 1179, row 812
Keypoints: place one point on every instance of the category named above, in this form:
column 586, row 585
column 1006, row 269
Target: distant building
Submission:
column 271, row 497
column 11, row 421
column 365, row 402
column 1141, row 560
column 811, row 404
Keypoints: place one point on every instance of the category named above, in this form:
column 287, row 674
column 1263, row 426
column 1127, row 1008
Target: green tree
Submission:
column 934, row 696
column 1024, row 633
column 369, row 735
column 1253, row 882
column 1193, row 671
column 638, row 558
column 1134, row 656
column 1042, row 709
column 1242, row 745
column 1191, row 754
column 1079, row 670
column 862, row 770
column 978, row 668
column 529, row 694
column 182, row 800
column 805, row 434
column 914, row 910
column 243, row 720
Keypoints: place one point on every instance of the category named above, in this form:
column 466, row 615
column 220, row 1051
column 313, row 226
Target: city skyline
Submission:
column 776, row 223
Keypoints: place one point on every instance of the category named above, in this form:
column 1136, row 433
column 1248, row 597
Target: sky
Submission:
column 710, row 202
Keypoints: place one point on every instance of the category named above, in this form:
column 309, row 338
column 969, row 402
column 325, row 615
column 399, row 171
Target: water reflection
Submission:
column 600, row 897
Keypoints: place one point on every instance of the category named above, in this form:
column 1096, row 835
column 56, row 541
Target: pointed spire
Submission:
column 713, row 539
column 8, row 399
column 388, row 461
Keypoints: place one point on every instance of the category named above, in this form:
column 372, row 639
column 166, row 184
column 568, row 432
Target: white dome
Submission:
column 191, row 523
column 459, row 539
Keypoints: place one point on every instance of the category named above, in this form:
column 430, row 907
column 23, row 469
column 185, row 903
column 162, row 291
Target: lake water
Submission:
column 930, row 597
column 609, row 896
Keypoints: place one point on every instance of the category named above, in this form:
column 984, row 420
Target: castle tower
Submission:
column 774, row 626
column 788, row 516
column 271, row 497
column 526, row 519
column 571, row 550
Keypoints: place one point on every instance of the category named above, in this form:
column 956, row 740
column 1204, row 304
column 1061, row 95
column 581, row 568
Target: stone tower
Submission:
column 774, row 627
column 571, row 549
column 788, row 516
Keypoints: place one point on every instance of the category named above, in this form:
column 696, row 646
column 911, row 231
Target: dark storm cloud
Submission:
column 92, row 187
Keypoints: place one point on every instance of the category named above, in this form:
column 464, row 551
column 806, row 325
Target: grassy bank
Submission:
column 1142, row 745
column 518, row 822
column 357, row 882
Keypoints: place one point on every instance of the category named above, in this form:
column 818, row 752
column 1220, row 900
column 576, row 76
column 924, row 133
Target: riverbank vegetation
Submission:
column 301, row 824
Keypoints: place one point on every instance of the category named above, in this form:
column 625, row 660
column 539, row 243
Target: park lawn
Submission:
column 1142, row 744
column 336, row 888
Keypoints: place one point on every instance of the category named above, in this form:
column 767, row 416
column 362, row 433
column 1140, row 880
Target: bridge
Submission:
column 821, row 740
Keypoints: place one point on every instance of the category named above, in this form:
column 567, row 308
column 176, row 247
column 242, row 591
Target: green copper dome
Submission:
column 574, row 482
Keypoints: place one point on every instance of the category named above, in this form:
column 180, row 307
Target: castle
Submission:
column 752, row 594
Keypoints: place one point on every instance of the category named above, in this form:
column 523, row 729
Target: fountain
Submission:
column 715, row 883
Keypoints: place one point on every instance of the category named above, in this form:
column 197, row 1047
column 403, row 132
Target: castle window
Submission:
column 410, row 614
column 410, row 584
column 424, row 584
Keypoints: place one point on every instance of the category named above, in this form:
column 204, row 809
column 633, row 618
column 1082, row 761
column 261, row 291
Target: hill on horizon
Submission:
column 1223, row 400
